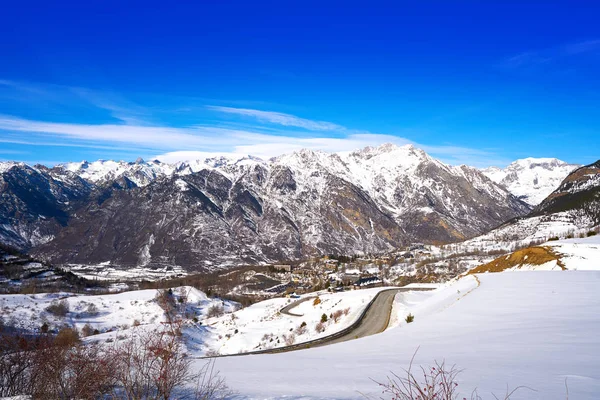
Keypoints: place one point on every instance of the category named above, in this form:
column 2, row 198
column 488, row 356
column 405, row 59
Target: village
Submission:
column 416, row 263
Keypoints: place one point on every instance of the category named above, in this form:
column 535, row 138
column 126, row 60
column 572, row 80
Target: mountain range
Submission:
column 225, row 211
column 531, row 179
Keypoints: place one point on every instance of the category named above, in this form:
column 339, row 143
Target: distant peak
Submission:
column 139, row 160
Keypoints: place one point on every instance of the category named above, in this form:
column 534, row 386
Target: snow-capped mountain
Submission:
column 579, row 191
column 231, row 210
column 571, row 210
column 531, row 179
column 141, row 173
column 34, row 204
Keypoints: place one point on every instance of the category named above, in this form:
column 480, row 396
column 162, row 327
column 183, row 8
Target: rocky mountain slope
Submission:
column 226, row 211
column 531, row 179
column 35, row 203
column 572, row 210
column 580, row 191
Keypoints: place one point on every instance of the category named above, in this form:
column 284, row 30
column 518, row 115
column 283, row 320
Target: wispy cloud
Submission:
column 166, row 142
column 137, row 129
column 553, row 54
column 280, row 118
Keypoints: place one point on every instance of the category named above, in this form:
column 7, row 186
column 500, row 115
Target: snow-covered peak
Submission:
column 139, row 172
column 6, row 165
column 531, row 179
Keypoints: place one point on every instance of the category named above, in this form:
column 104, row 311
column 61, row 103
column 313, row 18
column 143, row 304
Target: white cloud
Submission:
column 157, row 137
column 207, row 141
column 280, row 118
column 543, row 56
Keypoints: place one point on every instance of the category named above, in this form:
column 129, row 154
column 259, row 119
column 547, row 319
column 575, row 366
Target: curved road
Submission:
column 375, row 320
column 286, row 309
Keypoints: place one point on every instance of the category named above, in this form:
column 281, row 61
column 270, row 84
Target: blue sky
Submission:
column 480, row 83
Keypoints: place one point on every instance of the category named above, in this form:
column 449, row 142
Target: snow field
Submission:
column 533, row 328
column 113, row 312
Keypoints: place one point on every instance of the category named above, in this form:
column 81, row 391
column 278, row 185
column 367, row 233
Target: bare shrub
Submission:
column 151, row 364
column 92, row 309
column 289, row 339
column 438, row 382
column 59, row 308
column 301, row 329
column 212, row 353
column 216, row 310
column 78, row 372
column 87, row 330
column 346, row 311
column 15, row 362
column 337, row 315
column 45, row 367
column 165, row 300
column 210, row 385
column 67, row 337
column 320, row 327
column 184, row 294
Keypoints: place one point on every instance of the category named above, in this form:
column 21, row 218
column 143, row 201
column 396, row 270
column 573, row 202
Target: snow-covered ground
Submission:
column 116, row 312
column 536, row 329
column 107, row 272
column 578, row 253
column 262, row 325
column 526, row 231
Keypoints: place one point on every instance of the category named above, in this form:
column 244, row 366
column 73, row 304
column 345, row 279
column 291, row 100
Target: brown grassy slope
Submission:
column 531, row 255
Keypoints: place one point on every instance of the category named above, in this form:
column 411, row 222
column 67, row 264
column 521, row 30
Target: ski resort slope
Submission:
column 534, row 329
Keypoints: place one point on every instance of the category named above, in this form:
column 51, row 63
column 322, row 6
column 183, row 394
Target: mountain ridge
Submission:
column 531, row 179
column 247, row 210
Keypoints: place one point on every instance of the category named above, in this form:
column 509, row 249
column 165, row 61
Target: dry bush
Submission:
column 87, row 330
column 151, row 365
column 92, row 309
column 165, row 300
column 45, row 367
column 289, row 339
column 210, row 385
column 337, row 315
column 438, row 382
column 346, row 311
column 216, row 310
column 317, row 301
column 15, row 362
column 78, row 372
column 59, row 308
column 320, row 327
column 67, row 337
column 301, row 329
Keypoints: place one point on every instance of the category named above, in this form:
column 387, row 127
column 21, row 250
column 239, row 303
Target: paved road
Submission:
column 375, row 320
column 286, row 309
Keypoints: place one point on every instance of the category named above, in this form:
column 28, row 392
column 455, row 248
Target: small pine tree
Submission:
column 409, row 318
column 324, row 318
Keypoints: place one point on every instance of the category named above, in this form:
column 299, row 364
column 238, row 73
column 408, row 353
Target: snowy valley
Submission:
column 512, row 306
